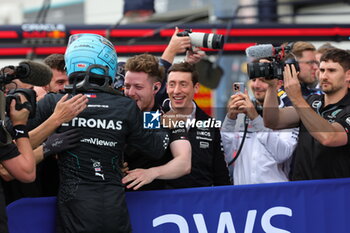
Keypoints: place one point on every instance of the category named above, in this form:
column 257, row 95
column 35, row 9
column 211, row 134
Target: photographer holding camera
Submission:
column 323, row 146
column 262, row 158
column 17, row 159
column 181, row 42
column 305, row 54
column 301, row 54
column 13, row 79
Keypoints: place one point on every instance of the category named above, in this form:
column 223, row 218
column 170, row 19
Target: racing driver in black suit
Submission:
column 91, row 196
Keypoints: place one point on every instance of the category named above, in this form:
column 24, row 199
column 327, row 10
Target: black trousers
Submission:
column 95, row 208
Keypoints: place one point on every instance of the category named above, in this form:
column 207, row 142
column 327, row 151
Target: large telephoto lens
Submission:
column 207, row 40
column 258, row 70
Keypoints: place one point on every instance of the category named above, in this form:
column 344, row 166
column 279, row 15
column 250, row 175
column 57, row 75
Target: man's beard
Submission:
column 330, row 90
column 260, row 98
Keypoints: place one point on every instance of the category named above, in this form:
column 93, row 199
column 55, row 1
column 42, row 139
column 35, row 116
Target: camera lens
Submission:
column 217, row 41
column 213, row 41
column 207, row 40
column 258, row 70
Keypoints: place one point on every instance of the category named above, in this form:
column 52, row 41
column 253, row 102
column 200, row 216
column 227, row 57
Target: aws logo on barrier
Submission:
column 225, row 224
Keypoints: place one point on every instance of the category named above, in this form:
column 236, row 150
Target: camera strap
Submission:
column 246, row 122
column 259, row 109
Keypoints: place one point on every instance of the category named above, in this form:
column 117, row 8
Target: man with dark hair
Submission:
column 59, row 77
column 323, row 147
column 208, row 162
column 320, row 51
column 48, row 169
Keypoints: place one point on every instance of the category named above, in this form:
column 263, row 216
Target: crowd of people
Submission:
column 87, row 143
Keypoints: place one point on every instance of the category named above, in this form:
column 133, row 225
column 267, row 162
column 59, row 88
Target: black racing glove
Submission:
column 59, row 142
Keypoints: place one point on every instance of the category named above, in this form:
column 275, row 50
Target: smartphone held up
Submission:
column 238, row 87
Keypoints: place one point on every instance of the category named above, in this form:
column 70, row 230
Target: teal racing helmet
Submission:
column 87, row 49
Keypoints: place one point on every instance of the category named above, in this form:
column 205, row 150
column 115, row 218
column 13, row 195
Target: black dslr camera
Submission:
column 30, row 104
column 273, row 69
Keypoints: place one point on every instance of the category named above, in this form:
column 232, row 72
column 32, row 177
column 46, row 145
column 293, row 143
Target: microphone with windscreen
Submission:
column 268, row 50
column 31, row 72
column 262, row 51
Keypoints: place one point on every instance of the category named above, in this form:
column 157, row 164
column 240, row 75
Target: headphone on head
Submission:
column 292, row 59
column 290, row 45
column 155, row 87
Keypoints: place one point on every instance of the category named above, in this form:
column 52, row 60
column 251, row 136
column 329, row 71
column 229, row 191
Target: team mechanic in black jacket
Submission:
column 143, row 79
column 91, row 196
column 208, row 161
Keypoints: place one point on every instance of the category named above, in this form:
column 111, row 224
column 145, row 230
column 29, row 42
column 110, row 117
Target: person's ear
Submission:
column 196, row 87
column 156, row 87
column 347, row 76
